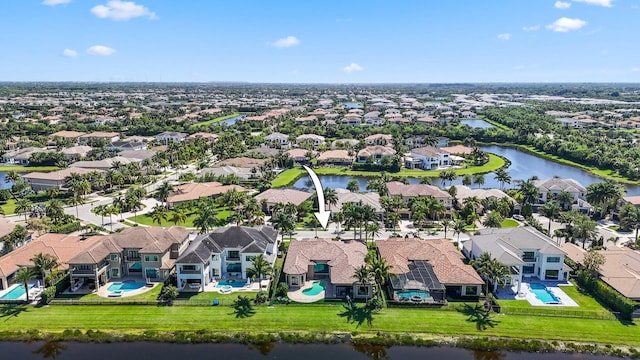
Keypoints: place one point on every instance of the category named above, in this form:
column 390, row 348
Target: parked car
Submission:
column 518, row 217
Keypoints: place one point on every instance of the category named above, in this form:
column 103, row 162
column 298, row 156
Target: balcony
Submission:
column 234, row 258
column 132, row 258
column 190, row 271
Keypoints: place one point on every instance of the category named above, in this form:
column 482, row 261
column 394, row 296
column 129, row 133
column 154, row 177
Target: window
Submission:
column 84, row 267
column 233, row 254
column 152, row 273
column 188, row 267
column 115, row 272
column 215, row 257
column 553, row 259
column 151, row 258
column 114, row 257
column 249, row 258
column 133, row 254
column 471, row 290
column 528, row 269
column 363, row 290
column 528, row 256
column 551, row 274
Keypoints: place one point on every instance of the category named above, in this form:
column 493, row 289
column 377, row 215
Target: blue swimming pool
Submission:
column 413, row 294
column 126, row 286
column 316, row 288
column 16, row 293
column 543, row 294
column 232, row 283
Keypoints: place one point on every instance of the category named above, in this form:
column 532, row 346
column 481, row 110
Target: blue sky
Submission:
column 355, row 41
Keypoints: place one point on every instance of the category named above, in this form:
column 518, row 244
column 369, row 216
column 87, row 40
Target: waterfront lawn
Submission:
column 289, row 176
column 222, row 213
column 327, row 318
column 218, row 119
column 26, row 169
column 508, row 223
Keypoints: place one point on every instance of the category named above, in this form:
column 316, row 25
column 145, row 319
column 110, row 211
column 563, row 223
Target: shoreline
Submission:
column 385, row 339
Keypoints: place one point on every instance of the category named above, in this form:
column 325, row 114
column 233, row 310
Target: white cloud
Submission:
column 562, row 5
column 353, row 67
column 122, row 10
column 605, row 3
column 55, row 2
column 69, row 53
column 565, row 24
column 531, row 28
column 100, row 50
column 286, row 42
column 635, row 69
column 505, row 36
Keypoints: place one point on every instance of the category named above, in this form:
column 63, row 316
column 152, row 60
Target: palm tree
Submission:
column 493, row 220
column 380, row 271
column 584, row 228
column 363, row 276
column 44, row 263
column 338, row 218
column 467, row 180
column 177, row 215
column 102, row 210
column 564, row 199
column 259, row 267
column 54, row 210
column 75, row 201
column 284, row 222
column 330, row 197
column 205, row 220
column 119, row 204
column 503, row 177
column 134, row 204
column 458, row 227
column 23, row 275
column 353, row 185
column 492, row 271
column 164, row 190
column 478, row 179
column 529, row 192
column 393, row 219
column 604, row 194
column 551, row 210
column 446, row 223
column 11, row 176
column 23, row 206
column 159, row 214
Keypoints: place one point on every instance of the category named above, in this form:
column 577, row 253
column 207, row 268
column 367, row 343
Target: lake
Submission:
column 232, row 120
column 523, row 166
column 156, row 351
column 4, row 184
column 476, row 123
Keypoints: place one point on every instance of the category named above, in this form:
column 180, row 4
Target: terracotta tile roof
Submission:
column 458, row 149
column 633, row 200
column 101, row 134
column 283, row 196
column 64, row 247
column 343, row 257
column 57, row 175
column 400, row 189
column 6, row 226
column 242, row 162
column 67, row 134
column 300, row 153
column 379, row 136
column 376, row 150
column 335, row 155
column 195, row 191
column 441, row 254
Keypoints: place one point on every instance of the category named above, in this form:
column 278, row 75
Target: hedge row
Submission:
column 607, row 295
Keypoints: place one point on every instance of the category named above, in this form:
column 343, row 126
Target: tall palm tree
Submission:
column 338, row 218
column 551, row 210
column 205, row 220
column 381, row 271
column 23, row 275
column 529, row 192
column 101, row 210
column 478, row 179
column 458, row 227
column 604, row 194
column 259, row 267
column 564, row 199
column 134, row 204
column 353, row 185
column 585, row 229
column 493, row 220
column 503, row 177
column 492, row 271
column 363, row 276
column 159, row 214
column 164, row 190
column 23, row 206
column 44, row 263
column 284, row 222
column 177, row 215
column 446, row 224
column 330, row 197
column 467, row 180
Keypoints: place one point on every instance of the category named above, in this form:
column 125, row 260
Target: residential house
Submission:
column 434, row 267
column 54, row 179
column 550, row 188
column 428, row 158
column 61, row 246
column 67, row 135
column 222, row 253
column 208, row 137
column 301, row 156
column 277, row 140
column 270, row 197
column 375, row 153
column 465, row 192
column 345, row 196
column 333, row 262
column 127, row 145
column 344, row 143
column 171, row 136
column 407, row 192
column 100, row 135
column 147, row 253
column 621, row 268
column 21, row 156
column 76, row 152
column 243, row 173
column 379, row 139
column 351, row 119
column 104, row 164
column 310, row 140
column 243, row 161
column 525, row 250
column 335, row 157
column 195, row 191
column 376, row 121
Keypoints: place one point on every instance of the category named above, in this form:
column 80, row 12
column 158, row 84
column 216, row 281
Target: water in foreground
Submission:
column 155, row 351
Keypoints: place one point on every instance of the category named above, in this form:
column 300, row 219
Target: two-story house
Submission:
column 379, row 139
column 525, row 250
column 147, row 253
column 550, row 188
column 407, row 192
column 224, row 253
column 171, row 136
column 375, row 153
column 428, row 158
column 310, row 139
column 277, row 140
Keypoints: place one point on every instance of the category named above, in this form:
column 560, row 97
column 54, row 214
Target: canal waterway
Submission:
column 157, row 351
column 523, row 166
column 476, row 123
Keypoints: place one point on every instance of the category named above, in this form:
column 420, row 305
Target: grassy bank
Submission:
column 145, row 219
column 218, row 119
column 26, row 169
column 318, row 318
column 288, row 177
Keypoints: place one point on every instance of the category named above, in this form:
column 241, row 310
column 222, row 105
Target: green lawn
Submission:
column 289, row 176
column 9, row 208
column 218, row 119
column 145, row 219
column 507, row 223
column 26, row 169
column 317, row 318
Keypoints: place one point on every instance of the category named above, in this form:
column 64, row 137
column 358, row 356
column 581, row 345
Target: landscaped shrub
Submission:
column 47, row 295
column 66, row 228
column 607, row 295
column 282, row 289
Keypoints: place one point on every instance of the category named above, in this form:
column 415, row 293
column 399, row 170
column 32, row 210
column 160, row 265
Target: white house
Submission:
column 313, row 139
column 277, row 140
column 550, row 188
column 525, row 250
column 428, row 158
column 171, row 136
column 223, row 253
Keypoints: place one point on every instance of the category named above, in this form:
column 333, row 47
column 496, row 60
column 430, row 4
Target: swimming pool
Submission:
column 125, row 286
column 413, row 294
column 15, row 293
column 316, row 288
column 543, row 294
column 232, row 283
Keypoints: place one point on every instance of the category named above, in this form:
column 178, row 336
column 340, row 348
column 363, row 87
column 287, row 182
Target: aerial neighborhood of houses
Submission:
column 120, row 192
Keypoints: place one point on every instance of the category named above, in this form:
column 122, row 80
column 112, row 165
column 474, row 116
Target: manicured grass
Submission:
column 507, row 223
column 218, row 119
column 26, row 169
column 289, row 176
column 9, row 208
column 145, row 219
column 317, row 318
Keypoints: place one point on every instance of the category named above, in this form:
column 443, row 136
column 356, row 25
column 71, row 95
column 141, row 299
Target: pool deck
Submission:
column 555, row 287
column 297, row 295
column 35, row 289
column 254, row 286
column 104, row 292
